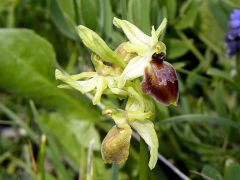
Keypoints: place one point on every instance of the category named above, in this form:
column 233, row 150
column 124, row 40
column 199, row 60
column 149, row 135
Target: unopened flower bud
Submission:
column 160, row 80
column 115, row 146
column 125, row 55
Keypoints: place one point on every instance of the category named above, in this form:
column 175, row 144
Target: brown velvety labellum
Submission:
column 160, row 80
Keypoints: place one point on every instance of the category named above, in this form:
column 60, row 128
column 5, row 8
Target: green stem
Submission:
column 41, row 157
column 238, row 66
column 191, row 46
column 11, row 17
column 114, row 172
column 18, row 121
column 144, row 170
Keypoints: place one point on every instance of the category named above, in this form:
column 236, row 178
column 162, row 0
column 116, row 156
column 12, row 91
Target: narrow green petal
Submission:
column 83, row 75
column 82, row 86
column 162, row 27
column 134, row 69
column 135, row 101
column 101, row 85
column 154, row 36
column 118, row 92
column 88, row 85
column 132, row 48
column 146, row 130
column 139, row 116
column 135, row 35
column 98, row 46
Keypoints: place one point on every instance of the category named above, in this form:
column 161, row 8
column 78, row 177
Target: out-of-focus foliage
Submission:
column 200, row 135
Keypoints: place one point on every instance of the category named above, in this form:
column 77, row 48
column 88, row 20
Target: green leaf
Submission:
column 175, row 48
column 106, row 17
column 188, row 14
column 76, row 132
column 231, row 170
column 211, row 172
column 27, row 66
column 139, row 13
column 233, row 3
column 171, row 6
column 223, row 75
column 89, row 13
column 200, row 118
column 146, row 130
column 62, row 14
column 214, row 36
column 7, row 4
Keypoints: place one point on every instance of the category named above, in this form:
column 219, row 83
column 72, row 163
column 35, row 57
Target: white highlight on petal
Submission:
column 134, row 69
column 135, row 35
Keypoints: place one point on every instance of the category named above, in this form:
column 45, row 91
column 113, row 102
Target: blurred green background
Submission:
column 200, row 136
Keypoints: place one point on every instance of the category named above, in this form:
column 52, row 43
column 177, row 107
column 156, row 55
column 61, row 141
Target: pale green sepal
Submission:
column 84, row 75
column 112, row 85
column 118, row 92
column 98, row 46
column 82, row 86
column 135, row 35
column 146, row 130
column 134, row 69
column 139, row 116
column 64, row 86
column 101, row 85
column 161, row 28
column 132, row 48
column 88, row 85
column 154, row 37
column 135, row 101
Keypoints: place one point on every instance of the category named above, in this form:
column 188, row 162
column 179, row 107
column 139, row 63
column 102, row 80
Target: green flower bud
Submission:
column 123, row 53
column 115, row 146
column 160, row 80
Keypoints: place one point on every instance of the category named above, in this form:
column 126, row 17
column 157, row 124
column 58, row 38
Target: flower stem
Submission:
column 114, row 172
column 144, row 170
column 238, row 66
column 41, row 157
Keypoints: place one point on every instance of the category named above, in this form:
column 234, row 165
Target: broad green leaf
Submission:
column 231, row 170
column 27, row 66
column 146, row 130
column 72, row 133
column 175, row 48
column 211, row 172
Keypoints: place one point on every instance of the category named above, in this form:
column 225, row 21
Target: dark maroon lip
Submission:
column 158, row 57
column 160, row 80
